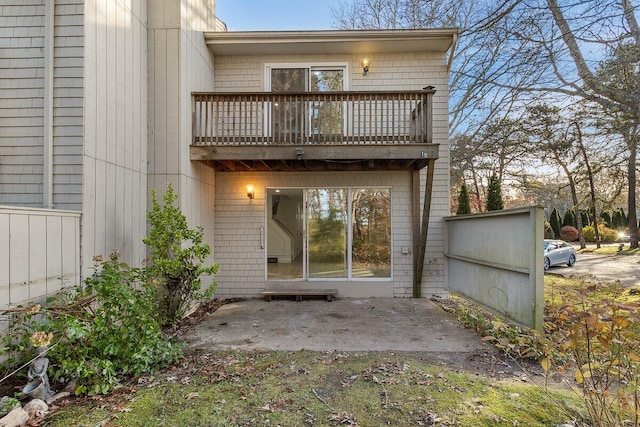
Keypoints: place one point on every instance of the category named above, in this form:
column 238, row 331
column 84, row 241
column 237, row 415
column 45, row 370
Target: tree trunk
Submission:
column 632, row 218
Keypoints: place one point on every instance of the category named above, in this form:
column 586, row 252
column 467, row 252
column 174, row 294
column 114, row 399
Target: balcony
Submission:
column 390, row 130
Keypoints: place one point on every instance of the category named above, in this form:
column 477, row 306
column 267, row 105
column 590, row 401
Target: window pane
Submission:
column 289, row 118
column 326, row 116
column 371, row 230
column 327, row 233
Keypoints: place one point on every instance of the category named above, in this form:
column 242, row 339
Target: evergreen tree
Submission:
column 606, row 218
column 615, row 219
column 556, row 224
column 585, row 217
column 463, row 201
column 569, row 219
column 494, row 195
column 548, row 231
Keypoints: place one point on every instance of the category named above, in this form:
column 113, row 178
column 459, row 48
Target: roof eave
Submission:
column 234, row 43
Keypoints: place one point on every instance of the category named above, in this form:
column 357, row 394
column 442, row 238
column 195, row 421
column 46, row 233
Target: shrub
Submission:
column 101, row 331
column 607, row 235
column 548, row 231
column 595, row 341
column 177, row 256
column 569, row 233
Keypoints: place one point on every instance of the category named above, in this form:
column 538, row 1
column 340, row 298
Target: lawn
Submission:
column 248, row 388
column 321, row 389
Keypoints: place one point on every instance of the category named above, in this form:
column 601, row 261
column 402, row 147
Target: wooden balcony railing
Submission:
column 398, row 117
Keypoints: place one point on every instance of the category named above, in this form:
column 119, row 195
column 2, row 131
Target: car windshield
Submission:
column 546, row 244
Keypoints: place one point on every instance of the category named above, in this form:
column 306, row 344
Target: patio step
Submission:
column 299, row 293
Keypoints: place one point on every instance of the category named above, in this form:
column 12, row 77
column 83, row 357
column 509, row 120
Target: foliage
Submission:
column 606, row 218
column 569, row 233
column 102, row 330
column 595, row 335
column 519, row 342
column 619, row 219
column 494, row 195
column 585, row 217
column 607, row 235
column 569, row 219
column 548, row 231
column 554, row 220
column 463, row 201
column 176, row 263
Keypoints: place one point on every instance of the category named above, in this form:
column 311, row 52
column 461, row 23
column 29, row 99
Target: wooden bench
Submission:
column 299, row 293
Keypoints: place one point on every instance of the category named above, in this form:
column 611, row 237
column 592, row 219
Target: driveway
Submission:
column 625, row 268
column 376, row 324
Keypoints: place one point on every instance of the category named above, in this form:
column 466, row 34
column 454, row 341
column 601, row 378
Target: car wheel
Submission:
column 547, row 263
column 572, row 260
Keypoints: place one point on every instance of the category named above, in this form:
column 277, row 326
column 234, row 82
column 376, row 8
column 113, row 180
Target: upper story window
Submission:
column 308, row 118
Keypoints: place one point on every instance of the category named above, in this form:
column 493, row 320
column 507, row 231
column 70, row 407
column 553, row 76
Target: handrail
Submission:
column 375, row 117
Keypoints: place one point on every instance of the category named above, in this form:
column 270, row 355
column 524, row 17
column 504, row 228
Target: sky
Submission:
column 256, row 15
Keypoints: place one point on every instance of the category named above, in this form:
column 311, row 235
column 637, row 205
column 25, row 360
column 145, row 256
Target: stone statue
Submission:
column 38, row 386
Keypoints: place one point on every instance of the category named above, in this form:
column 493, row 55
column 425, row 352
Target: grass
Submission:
column 612, row 250
column 322, row 389
column 247, row 388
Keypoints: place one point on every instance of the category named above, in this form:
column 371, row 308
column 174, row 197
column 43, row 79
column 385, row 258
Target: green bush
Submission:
column 176, row 263
column 569, row 233
column 100, row 331
column 607, row 235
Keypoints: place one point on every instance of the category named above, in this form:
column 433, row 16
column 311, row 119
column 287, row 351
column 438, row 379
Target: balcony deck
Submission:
column 390, row 130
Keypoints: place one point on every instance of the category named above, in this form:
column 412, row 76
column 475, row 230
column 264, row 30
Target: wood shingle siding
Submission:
column 21, row 103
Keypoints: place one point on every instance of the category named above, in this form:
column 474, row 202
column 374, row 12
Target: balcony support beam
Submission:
column 315, row 152
column 420, row 230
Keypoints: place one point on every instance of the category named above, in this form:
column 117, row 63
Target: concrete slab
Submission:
column 376, row 324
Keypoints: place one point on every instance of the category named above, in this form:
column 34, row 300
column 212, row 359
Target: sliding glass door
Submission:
column 340, row 234
column 292, row 119
column 327, row 233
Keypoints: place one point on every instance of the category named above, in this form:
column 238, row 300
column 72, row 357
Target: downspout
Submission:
column 49, row 59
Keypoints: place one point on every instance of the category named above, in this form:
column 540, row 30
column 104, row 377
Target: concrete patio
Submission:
column 375, row 324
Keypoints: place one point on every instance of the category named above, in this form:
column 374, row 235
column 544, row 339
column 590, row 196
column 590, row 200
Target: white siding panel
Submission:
column 33, row 242
column 37, row 256
column 117, row 92
column 4, row 260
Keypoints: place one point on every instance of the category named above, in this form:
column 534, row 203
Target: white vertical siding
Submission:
column 39, row 253
column 21, row 102
column 179, row 63
column 115, row 131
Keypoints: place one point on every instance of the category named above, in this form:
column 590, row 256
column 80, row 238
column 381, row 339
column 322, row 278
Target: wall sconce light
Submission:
column 250, row 192
column 365, row 64
column 299, row 153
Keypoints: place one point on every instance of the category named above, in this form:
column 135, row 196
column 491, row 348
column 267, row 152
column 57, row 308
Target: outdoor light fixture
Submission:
column 365, row 63
column 299, row 153
column 250, row 193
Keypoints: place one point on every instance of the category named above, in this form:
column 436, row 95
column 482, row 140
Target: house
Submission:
column 311, row 158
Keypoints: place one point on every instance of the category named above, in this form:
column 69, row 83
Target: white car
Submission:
column 558, row 252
